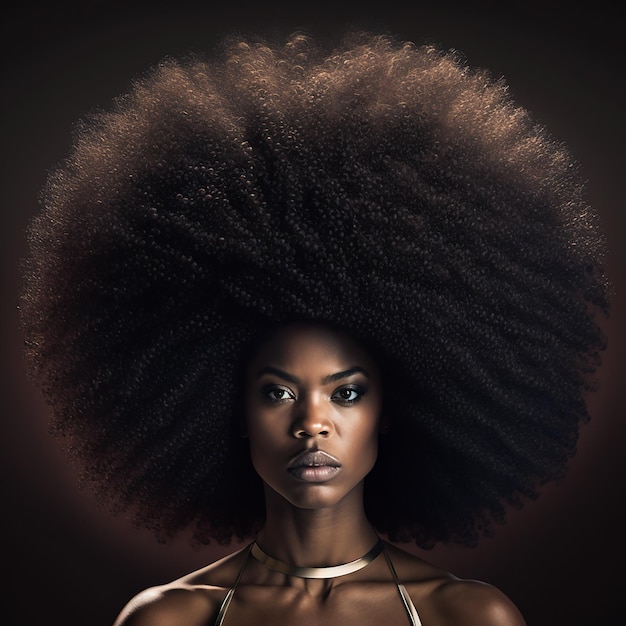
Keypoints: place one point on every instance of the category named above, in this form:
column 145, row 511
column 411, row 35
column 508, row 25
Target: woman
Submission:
column 313, row 418
column 256, row 263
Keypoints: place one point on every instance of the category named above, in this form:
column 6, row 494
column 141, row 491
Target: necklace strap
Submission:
column 316, row 572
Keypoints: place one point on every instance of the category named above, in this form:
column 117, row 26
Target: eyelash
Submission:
column 357, row 389
column 268, row 390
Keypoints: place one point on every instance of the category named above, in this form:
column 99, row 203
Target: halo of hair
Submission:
column 383, row 187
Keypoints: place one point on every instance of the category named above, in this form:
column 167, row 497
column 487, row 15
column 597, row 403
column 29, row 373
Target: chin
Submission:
column 316, row 496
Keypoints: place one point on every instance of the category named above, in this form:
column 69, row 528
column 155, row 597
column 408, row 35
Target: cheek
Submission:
column 258, row 433
column 255, row 421
column 371, row 445
column 262, row 437
column 366, row 425
column 364, row 441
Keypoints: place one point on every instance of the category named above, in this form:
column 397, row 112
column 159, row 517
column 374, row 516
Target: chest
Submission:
column 371, row 604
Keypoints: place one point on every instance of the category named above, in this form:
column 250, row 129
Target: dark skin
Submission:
column 312, row 388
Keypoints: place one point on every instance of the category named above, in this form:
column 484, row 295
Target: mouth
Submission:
column 314, row 466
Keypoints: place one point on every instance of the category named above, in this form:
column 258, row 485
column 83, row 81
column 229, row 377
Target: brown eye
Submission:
column 277, row 394
column 348, row 395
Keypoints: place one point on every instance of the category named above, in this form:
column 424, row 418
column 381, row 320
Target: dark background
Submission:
column 65, row 560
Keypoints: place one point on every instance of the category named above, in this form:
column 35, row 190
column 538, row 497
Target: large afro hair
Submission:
column 382, row 187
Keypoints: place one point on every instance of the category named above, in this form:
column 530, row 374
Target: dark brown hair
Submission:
column 383, row 187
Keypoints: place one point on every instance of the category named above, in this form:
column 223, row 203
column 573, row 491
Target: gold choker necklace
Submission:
column 316, row 572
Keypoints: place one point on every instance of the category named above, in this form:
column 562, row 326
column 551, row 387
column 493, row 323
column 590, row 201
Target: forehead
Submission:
column 307, row 343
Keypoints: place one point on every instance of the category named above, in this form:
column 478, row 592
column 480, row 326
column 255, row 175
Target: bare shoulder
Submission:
column 193, row 600
column 446, row 600
column 474, row 603
column 168, row 605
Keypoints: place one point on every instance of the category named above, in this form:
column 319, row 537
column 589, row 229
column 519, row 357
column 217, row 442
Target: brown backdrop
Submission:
column 69, row 562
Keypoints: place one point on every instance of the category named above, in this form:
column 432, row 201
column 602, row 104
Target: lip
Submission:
column 314, row 466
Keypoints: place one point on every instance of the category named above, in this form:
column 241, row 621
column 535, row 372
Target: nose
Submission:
column 312, row 419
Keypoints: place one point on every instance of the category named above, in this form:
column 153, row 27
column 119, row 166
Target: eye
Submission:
column 277, row 393
column 349, row 394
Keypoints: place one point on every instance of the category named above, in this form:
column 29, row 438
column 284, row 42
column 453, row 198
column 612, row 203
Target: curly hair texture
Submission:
column 382, row 187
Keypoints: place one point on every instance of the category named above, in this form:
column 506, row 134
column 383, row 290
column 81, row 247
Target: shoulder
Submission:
column 193, row 600
column 169, row 605
column 444, row 599
column 474, row 603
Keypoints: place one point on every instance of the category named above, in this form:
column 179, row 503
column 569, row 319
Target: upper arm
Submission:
column 163, row 606
column 473, row 603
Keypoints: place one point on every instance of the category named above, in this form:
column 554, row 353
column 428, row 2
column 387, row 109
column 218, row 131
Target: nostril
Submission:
column 302, row 431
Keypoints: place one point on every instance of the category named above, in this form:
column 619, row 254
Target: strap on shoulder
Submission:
column 231, row 592
column 411, row 611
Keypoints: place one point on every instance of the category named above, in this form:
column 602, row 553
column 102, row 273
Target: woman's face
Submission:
column 313, row 403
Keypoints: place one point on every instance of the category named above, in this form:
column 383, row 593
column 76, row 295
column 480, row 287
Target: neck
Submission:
column 319, row 573
column 316, row 537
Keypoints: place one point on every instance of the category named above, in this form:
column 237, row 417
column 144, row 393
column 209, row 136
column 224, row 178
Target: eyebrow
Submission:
column 268, row 369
